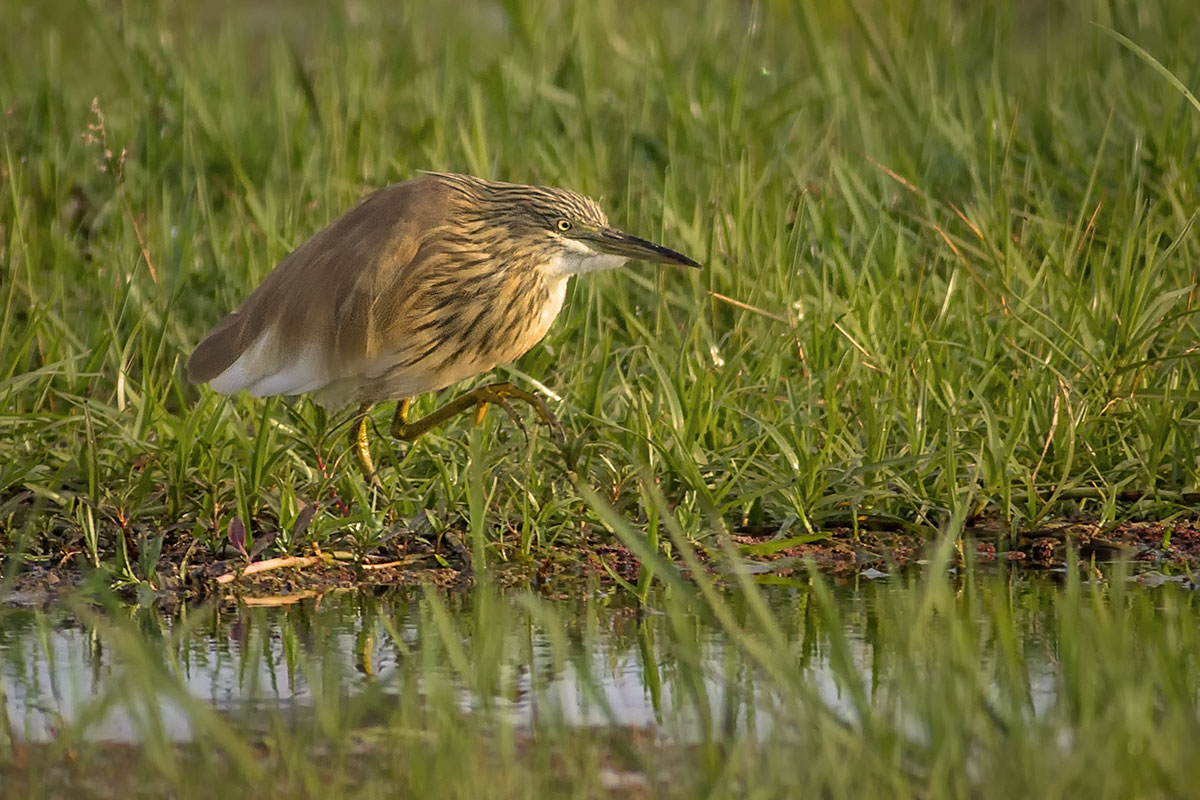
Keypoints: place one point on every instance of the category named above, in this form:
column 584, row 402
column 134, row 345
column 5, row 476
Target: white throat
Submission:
column 580, row 258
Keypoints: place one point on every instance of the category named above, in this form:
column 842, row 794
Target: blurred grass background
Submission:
column 959, row 238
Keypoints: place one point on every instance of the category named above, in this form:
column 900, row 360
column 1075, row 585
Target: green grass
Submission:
column 966, row 234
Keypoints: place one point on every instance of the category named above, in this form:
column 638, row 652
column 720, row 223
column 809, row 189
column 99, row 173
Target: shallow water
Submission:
column 588, row 661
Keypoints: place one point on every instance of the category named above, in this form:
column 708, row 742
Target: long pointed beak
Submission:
column 619, row 243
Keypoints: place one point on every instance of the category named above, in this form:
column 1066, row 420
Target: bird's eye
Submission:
column 564, row 225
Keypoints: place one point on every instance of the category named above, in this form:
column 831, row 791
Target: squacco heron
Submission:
column 423, row 284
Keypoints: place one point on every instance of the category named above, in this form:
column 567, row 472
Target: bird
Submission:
column 424, row 283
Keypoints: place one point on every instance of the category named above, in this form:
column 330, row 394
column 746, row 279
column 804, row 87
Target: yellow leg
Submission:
column 361, row 444
column 497, row 393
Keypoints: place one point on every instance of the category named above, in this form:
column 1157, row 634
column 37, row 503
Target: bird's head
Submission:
column 580, row 230
column 566, row 231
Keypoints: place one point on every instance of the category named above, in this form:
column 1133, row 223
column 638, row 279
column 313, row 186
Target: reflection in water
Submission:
column 583, row 662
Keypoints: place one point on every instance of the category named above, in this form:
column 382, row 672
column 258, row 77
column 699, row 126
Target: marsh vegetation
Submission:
column 950, row 282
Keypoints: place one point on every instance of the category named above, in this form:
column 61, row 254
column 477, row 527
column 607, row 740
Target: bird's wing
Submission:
column 314, row 319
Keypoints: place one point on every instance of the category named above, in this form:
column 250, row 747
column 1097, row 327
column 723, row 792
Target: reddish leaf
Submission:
column 237, row 535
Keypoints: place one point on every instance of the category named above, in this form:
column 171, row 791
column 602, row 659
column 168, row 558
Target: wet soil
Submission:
column 1171, row 546
column 610, row 761
column 876, row 548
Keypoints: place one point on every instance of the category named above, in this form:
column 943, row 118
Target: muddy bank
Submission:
column 875, row 549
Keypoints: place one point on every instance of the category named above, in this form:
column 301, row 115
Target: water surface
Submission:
column 588, row 661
